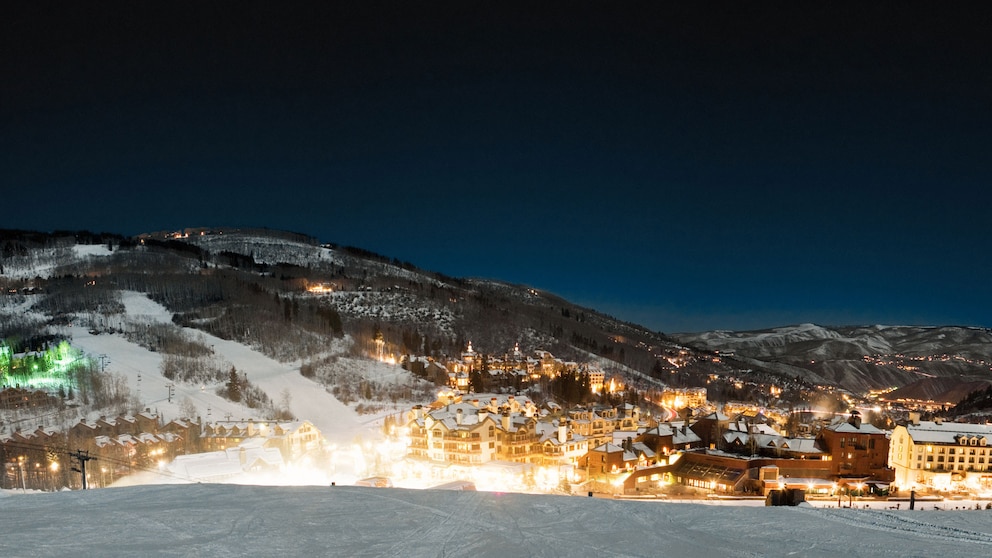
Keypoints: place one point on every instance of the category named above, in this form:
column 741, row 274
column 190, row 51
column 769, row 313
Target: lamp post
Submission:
column 20, row 463
column 54, row 468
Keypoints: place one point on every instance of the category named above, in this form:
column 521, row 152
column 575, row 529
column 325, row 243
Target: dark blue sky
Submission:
column 685, row 168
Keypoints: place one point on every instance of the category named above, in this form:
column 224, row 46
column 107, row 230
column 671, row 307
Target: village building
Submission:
column 561, row 446
column 293, row 439
column 710, row 429
column 856, row 450
column 670, row 437
column 121, row 445
column 477, row 431
column 598, row 423
column 680, row 398
column 490, row 428
column 721, row 472
column 940, row 455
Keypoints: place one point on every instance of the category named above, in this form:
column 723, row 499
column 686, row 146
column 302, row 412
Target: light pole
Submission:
column 20, row 463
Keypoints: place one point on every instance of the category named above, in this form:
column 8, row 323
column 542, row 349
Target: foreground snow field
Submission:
column 238, row 520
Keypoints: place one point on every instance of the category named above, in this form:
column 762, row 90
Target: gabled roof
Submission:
column 792, row 445
column 928, row 432
column 642, row 449
column 609, row 448
column 843, row 426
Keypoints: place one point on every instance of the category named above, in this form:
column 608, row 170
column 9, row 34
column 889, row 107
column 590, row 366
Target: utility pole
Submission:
column 104, row 361
column 172, row 391
column 82, row 457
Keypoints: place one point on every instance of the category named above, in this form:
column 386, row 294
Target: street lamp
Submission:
column 20, row 463
column 54, row 468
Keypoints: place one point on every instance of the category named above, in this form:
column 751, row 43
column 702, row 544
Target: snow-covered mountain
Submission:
column 315, row 308
column 300, row 295
column 934, row 361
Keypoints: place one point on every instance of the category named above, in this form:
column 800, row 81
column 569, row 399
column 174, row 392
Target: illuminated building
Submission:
column 503, row 428
column 455, row 431
column 562, row 446
column 856, row 449
column 292, row 438
column 599, row 423
column 668, row 438
column 941, row 455
column 681, row 398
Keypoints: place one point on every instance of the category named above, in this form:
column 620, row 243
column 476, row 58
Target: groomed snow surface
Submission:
column 238, row 520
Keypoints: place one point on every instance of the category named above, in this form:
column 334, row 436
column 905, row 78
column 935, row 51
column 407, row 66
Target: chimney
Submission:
column 938, row 421
column 562, row 430
column 483, row 414
column 914, row 418
column 506, row 420
column 855, row 419
column 458, row 417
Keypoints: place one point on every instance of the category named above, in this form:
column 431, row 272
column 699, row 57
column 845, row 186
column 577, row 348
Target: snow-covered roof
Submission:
column 766, row 441
column 845, row 426
column 928, row 432
column 759, row 427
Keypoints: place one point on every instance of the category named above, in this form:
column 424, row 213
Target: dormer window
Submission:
column 982, row 441
column 973, row 441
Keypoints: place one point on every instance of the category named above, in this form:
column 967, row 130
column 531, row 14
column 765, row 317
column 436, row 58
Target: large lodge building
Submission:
column 942, row 455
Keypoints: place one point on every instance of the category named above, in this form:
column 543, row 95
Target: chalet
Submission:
column 772, row 445
column 608, row 459
column 667, row 438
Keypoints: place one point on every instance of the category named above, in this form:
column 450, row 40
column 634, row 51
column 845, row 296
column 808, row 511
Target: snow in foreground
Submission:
column 237, row 520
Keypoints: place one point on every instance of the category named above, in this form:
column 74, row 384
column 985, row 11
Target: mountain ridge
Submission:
column 218, row 273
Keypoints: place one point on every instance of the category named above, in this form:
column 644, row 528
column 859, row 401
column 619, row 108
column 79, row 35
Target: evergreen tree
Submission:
column 234, row 386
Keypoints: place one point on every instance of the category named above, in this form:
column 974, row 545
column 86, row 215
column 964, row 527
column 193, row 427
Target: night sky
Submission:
column 687, row 168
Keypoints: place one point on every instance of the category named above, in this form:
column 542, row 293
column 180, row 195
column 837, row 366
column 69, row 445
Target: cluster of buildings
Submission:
column 42, row 458
column 513, row 369
column 618, row 447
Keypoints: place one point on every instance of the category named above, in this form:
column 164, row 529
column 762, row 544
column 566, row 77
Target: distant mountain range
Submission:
column 939, row 363
column 287, row 295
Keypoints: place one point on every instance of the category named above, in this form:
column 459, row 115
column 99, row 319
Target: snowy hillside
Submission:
column 141, row 368
column 229, row 520
column 859, row 358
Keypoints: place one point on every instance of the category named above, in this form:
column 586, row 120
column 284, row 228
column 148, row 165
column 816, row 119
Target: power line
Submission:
column 106, row 459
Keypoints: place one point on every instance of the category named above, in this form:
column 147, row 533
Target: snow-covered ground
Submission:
column 307, row 399
column 345, row 432
column 236, row 520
